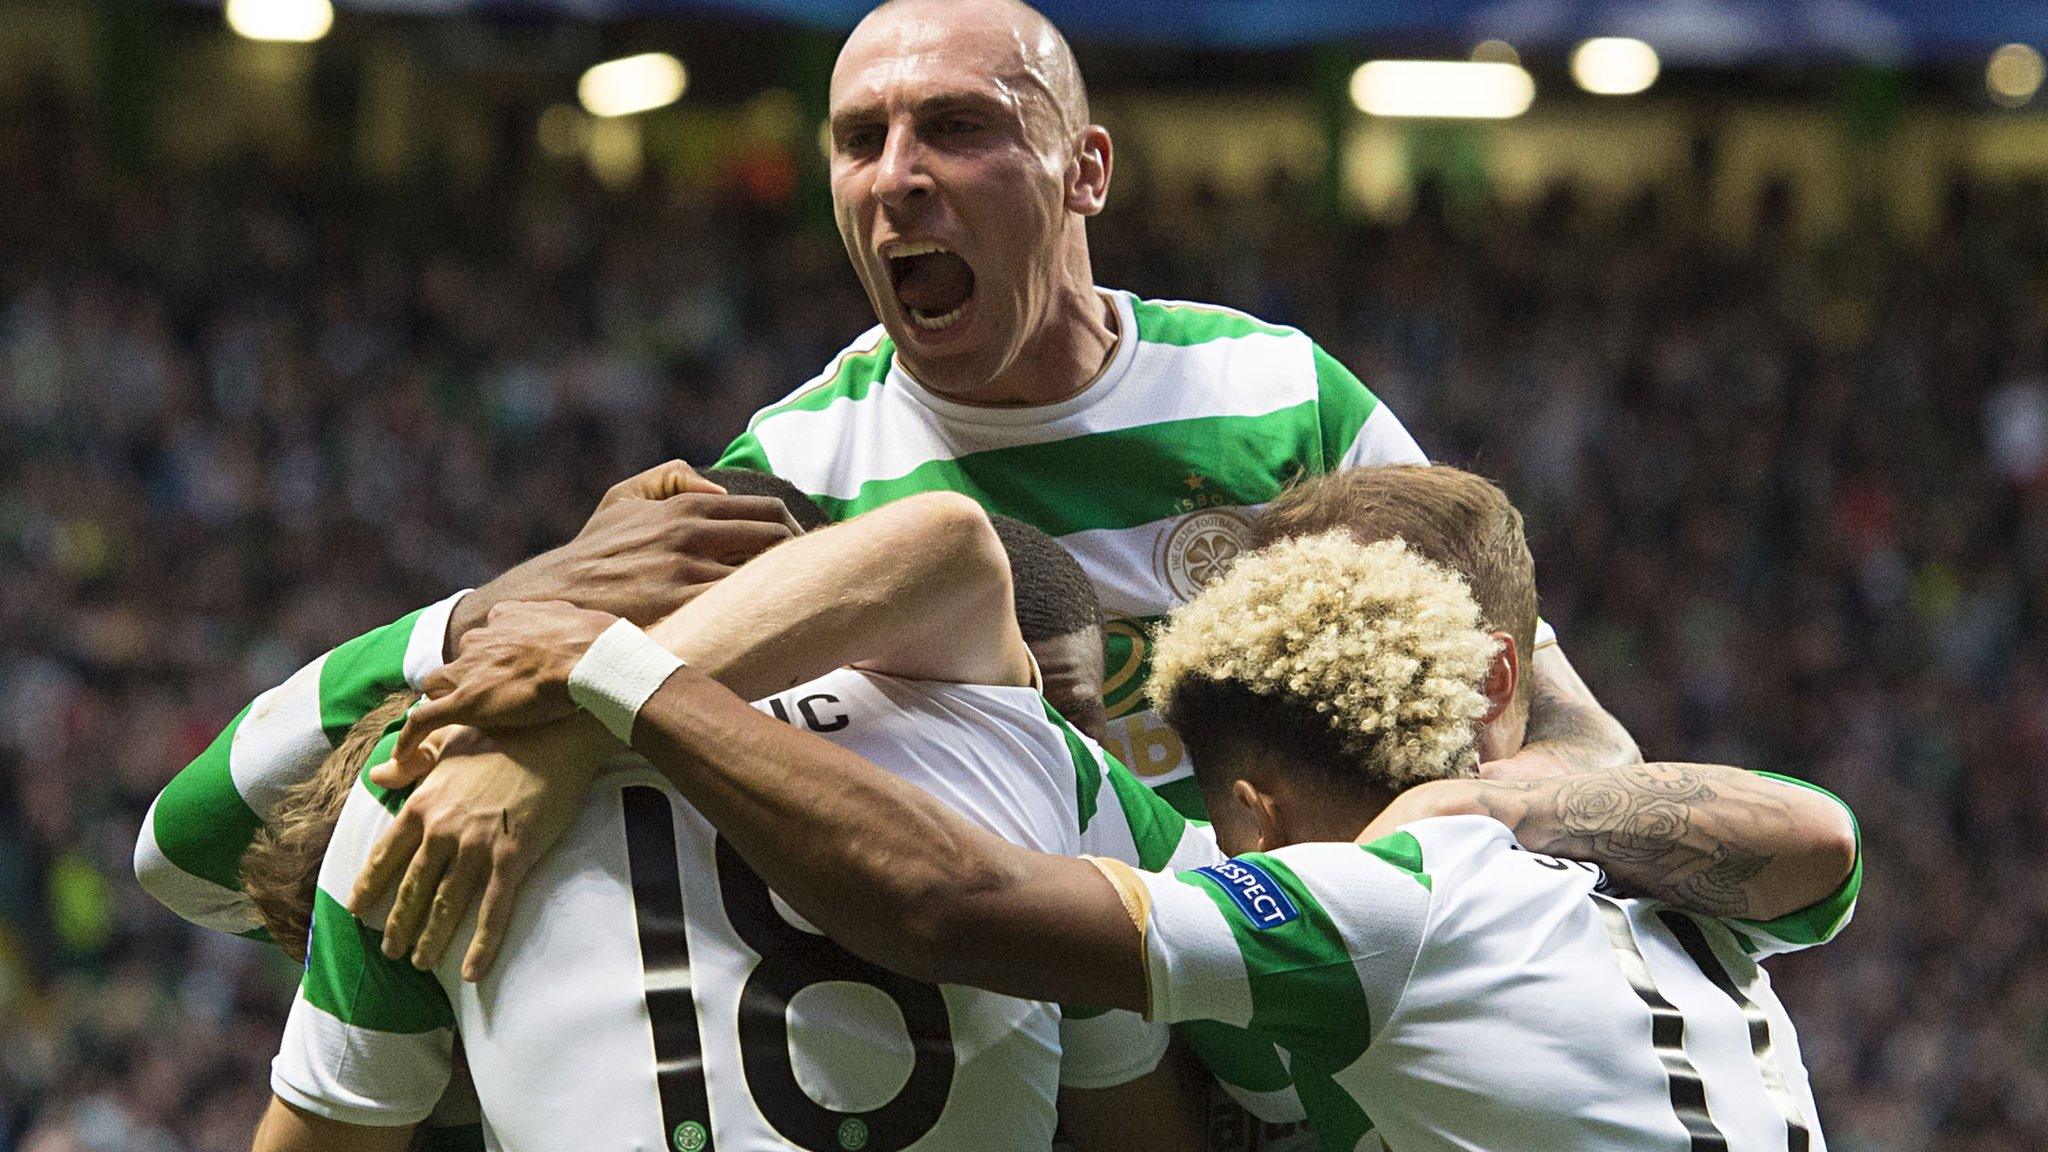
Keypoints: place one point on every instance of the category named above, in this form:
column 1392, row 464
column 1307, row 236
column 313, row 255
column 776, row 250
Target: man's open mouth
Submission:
column 933, row 284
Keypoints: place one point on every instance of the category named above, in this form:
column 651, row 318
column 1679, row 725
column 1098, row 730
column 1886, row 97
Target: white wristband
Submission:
column 618, row 672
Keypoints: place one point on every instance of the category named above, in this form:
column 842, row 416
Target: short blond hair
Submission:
column 1457, row 518
column 1380, row 648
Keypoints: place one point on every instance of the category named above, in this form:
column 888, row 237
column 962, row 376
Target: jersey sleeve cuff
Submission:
column 424, row 650
column 362, row 1116
column 1820, row 922
column 1137, row 901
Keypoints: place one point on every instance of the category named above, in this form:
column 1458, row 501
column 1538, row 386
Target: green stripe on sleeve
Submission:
column 1185, row 325
column 361, row 673
column 1087, row 773
column 1817, row 923
column 1403, row 852
column 1305, row 990
column 202, row 823
column 1118, row 479
column 348, row 978
column 1156, row 827
column 1343, row 404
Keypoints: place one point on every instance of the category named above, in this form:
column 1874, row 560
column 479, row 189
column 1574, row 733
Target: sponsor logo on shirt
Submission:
column 1252, row 889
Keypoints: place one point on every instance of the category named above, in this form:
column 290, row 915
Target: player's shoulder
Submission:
column 1186, row 323
column 1440, row 855
column 851, row 375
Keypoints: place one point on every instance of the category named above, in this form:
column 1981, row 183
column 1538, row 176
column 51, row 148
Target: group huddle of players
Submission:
column 1134, row 712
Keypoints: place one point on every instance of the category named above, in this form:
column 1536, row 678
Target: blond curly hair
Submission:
column 1385, row 647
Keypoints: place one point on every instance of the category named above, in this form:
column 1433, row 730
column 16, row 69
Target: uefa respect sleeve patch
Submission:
column 1254, row 892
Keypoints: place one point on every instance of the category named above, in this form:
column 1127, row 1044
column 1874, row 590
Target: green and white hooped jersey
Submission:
column 652, row 993
column 1148, row 477
column 1445, row 989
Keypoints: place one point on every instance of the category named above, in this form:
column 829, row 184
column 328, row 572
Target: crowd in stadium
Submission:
column 1789, row 502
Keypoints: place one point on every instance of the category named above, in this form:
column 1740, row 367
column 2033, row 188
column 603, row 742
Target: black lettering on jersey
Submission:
column 813, row 721
column 775, row 706
column 792, row 960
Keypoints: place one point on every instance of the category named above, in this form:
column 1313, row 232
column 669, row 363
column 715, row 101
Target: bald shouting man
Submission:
column 1139, row 433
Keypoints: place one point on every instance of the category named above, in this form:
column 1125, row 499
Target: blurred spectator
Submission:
column 1790, row 506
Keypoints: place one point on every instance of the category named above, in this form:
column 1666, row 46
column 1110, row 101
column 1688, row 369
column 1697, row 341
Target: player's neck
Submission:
column 1326, row 819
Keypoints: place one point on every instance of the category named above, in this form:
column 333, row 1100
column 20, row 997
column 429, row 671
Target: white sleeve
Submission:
column 359, row 1075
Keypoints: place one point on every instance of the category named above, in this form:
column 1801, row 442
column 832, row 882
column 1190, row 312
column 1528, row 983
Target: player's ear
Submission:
column 1088, row 172
column 1268, row 834
column 1503, row 676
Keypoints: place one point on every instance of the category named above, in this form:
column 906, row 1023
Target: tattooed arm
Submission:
column 1707, row 838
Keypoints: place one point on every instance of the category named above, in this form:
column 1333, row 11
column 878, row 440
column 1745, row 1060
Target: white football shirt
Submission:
column 1444, row 989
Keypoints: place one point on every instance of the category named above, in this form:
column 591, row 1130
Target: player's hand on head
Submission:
column 468, row 835
column 642, row 554
column 669, row 478
column 511, row 673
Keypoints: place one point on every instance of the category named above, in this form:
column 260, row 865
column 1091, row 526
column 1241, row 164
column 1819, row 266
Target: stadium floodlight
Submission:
column 1454, row 89
column 293, row 21
column 2014, row 74
column 1615, row 66
column 635, row 84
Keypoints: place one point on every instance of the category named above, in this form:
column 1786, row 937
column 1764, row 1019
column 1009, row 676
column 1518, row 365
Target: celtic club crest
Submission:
column 1198, row 549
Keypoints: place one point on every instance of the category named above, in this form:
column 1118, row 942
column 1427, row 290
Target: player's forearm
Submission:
column 1707, row 838
column 916, row 588
column 871, row 860
column 1568, row 729
column 875, row 862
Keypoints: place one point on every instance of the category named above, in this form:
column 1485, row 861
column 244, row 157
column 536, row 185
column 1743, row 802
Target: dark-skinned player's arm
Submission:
column 884, row 868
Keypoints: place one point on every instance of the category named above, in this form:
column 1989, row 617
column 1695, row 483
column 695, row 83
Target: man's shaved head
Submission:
column 1038, row 54
column 964, row 171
